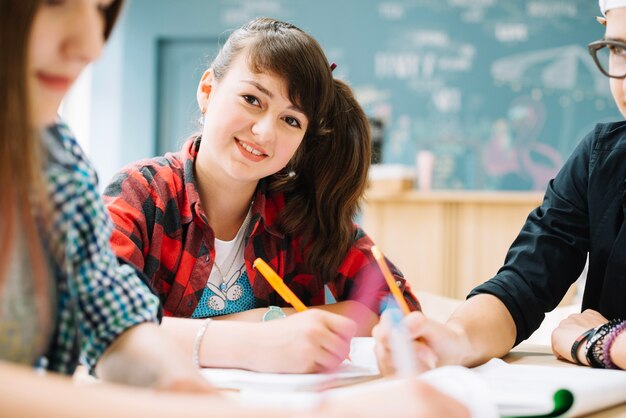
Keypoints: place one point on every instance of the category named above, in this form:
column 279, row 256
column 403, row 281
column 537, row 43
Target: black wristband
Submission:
column 581, row 338
column 595, row 344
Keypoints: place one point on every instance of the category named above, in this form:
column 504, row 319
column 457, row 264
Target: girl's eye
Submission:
column 251, row 100
column 292, row 122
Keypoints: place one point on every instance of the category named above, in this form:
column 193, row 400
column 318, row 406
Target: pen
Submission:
column 278, row 284
column 393, row 287
column 399, row 341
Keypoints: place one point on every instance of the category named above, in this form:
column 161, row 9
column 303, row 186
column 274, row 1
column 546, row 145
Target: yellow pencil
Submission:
column 391, row 282
column 278, row 284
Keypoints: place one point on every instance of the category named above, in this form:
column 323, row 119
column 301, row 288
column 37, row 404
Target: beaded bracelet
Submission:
column 608, row 343
column 595, row 343
column 198, row 340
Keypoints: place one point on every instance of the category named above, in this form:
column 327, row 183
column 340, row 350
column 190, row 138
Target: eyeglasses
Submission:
column 610, row 57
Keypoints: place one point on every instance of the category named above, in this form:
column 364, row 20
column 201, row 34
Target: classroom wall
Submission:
column 500, row 91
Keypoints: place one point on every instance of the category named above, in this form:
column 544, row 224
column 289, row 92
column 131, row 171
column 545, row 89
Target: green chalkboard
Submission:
column 500, row 91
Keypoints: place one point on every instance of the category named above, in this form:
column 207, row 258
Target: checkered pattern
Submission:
column 98, row 298
column 161, row 228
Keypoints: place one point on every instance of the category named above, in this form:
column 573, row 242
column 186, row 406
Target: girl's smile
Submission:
column 55, row 82
column 253, row 153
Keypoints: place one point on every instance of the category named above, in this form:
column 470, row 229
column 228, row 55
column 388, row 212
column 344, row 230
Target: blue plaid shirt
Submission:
column 97, row 297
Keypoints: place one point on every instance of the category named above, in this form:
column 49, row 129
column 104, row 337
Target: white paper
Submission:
column 495, row 388
column 361, row 366
column 529, row 390
column 467, row 387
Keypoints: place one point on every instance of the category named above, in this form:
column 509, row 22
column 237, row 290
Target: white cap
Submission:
column 606, row 5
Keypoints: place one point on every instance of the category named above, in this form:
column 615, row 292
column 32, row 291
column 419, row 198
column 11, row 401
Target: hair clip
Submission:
column 332, row 67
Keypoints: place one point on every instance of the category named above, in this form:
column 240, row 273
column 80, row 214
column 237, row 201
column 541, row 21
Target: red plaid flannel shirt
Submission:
column 161, row 228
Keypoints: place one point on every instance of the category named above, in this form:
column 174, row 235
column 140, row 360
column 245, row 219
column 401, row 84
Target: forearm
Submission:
column 309, row 342
column 141, row 356
column 58, row 397
column 487, row 326
column 225, row 343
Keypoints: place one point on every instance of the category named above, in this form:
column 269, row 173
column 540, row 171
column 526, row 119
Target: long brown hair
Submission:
column 20, row 149
column 23, row 195
column 326, row 178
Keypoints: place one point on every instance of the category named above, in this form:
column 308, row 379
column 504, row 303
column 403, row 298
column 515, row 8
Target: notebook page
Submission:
column 361, row 366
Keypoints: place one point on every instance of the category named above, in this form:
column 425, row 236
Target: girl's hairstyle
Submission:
column 23, row 197
column 326, row 178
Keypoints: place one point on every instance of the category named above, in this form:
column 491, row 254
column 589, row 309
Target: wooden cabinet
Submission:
column 446, row 242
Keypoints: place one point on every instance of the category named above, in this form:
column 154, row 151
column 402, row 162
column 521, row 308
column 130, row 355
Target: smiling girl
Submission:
column 62, row 292
column 277, row 172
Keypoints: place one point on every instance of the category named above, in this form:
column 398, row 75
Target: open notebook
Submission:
column 361, row 367
column 526, row 391
column 493, row 389
column 542, row 391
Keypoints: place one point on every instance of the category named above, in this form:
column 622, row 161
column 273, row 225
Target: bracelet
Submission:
column 198, row 340
column 595, row 344
column 581, row 338
column 591, row 348
column 608, row 343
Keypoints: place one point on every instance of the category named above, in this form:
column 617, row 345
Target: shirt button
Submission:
column 189, row 304
column 398, row 283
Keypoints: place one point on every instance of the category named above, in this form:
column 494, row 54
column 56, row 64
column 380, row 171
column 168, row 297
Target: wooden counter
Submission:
column 446, row 242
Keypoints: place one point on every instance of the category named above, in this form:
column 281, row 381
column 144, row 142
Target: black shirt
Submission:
column 582, row 212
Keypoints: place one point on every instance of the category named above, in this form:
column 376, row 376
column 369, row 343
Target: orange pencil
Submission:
column 391, row 282
column 278, row 284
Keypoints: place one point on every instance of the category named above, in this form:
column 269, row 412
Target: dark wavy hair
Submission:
column 326, row 178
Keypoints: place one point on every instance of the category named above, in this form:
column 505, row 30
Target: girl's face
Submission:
column 251, row 128
column 616, row 30
column 65, row 37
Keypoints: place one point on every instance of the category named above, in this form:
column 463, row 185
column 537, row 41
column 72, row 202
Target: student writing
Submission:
column 62, row 291
column 582, row 214
column 277, row 172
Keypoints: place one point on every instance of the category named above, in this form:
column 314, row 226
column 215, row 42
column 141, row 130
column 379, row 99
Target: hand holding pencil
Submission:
column 312, row 341
column 399, row 350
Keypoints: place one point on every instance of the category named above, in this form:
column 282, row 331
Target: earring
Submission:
column 201, row 119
